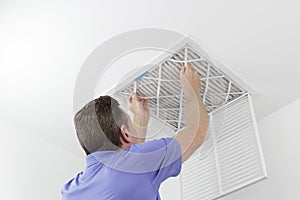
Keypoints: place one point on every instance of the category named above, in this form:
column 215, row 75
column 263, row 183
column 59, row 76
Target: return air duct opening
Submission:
column 231, row 156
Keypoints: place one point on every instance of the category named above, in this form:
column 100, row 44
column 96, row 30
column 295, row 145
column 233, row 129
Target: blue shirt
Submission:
column 134, row 174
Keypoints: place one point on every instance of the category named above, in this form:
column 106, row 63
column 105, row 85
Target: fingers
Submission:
column 188, row 69
column 133, row 97
column 145, row 102
column 182, row 70
column 129, row 100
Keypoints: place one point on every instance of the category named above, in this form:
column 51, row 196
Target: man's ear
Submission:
column 124, row 135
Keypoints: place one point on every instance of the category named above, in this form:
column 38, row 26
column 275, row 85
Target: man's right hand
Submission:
column 190, row 80
column 197, row 124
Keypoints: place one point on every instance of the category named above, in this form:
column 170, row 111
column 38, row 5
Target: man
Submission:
column 120, row 165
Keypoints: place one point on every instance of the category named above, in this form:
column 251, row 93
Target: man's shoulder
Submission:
column 153, row 145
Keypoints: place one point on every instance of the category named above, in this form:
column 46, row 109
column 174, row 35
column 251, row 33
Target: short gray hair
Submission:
column 98, row 124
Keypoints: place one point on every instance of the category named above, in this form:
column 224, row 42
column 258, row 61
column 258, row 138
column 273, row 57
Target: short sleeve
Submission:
column 162, row 157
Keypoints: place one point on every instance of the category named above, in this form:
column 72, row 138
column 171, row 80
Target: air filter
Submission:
column 231, row 157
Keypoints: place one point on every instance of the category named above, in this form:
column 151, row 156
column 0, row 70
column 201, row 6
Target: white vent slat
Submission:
column 224, row 143
column 239, row 174
column 192, row 173
column 237, row 163
column 226, row 155
column 202, row 172
column 209, row 186
column 199, row 167
column 227, row 132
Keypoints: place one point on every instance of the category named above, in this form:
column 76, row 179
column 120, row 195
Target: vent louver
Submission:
column 235, row 162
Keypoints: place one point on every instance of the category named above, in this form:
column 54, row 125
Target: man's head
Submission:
column 102, row 125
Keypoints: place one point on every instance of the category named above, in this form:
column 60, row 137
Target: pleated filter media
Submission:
column 231, row 156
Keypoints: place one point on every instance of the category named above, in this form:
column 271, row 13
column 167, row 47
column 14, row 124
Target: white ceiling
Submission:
column 43, row 45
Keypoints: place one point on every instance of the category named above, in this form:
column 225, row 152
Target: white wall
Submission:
column 33, row 168
column 280, row 138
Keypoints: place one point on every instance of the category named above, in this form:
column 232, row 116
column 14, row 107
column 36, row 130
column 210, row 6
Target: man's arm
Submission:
column 197, row 125
column 141, row 125
column 139, row 107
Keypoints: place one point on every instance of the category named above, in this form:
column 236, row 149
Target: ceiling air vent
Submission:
column 231, row 157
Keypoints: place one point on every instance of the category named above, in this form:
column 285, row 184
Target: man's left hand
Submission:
column 139, row 106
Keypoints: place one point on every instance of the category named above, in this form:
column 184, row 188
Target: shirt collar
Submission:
column 98, row 156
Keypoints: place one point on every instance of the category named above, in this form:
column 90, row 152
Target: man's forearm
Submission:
column 141, row 125
column 196, row 116
column 194, row 133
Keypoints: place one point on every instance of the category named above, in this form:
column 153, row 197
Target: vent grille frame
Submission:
column 167, row 105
